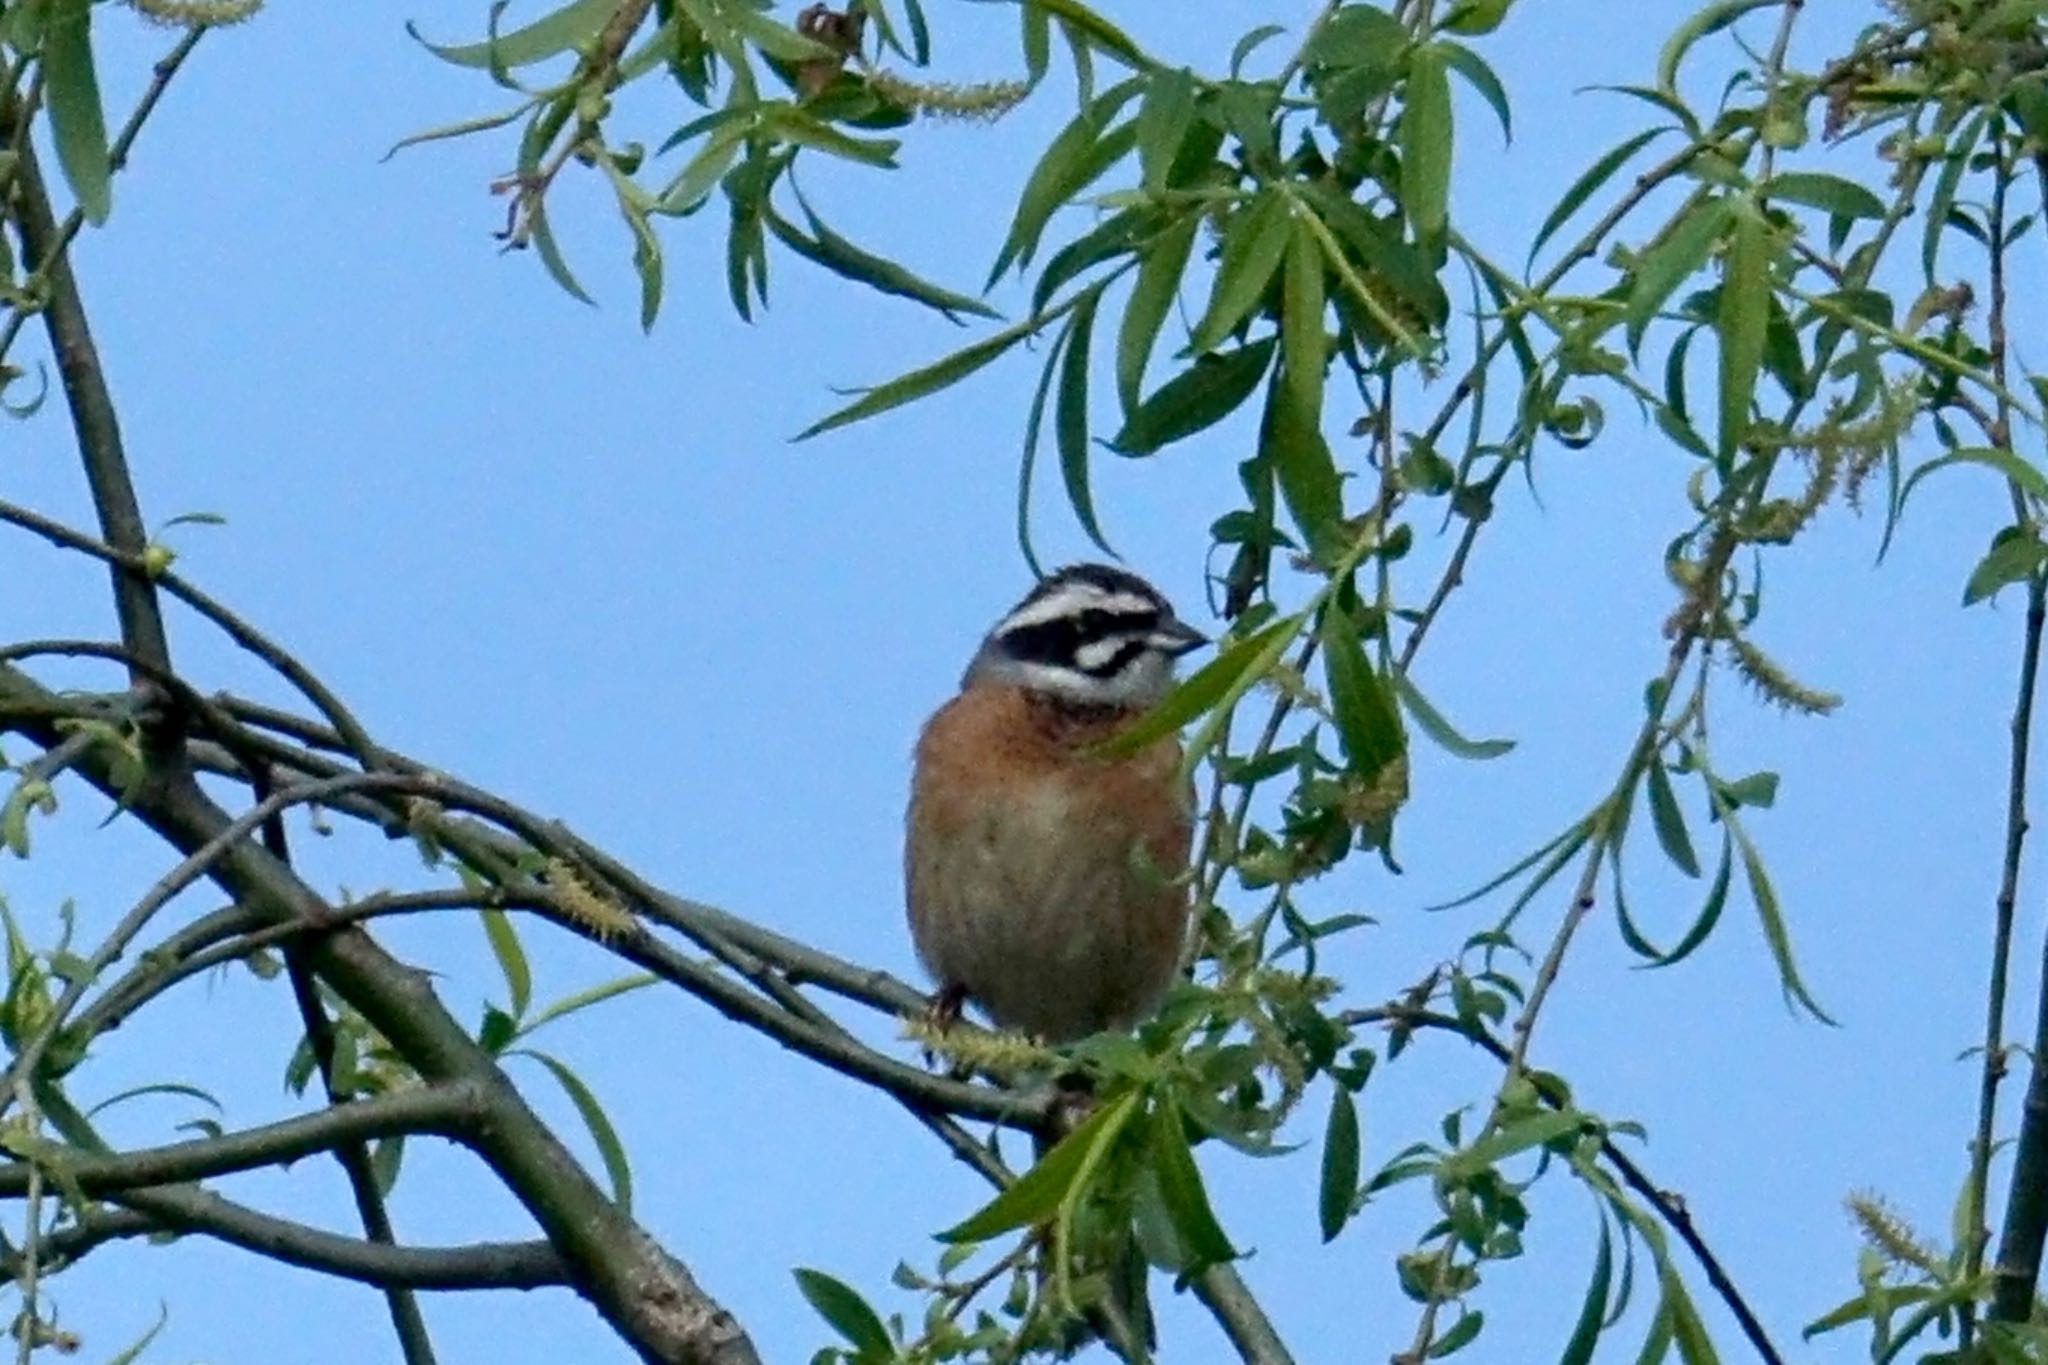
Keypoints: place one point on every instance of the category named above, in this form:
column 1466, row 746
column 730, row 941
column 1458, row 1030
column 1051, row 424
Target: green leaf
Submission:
column 1512, row 1139
column 551, row 256
column 1197, row 398
column 1440, row 730
column 1709, row 20
column 1480, row 77
column 2014, row 557
column 2026, row 477
column 1355, row 35
column 1301, row 320
column 1252, row 249
column 1307, row 472
column 1180, row 1189
column 1578, row 1348
column 1367, row 721
column 574, row 23
column 191, row 1092
column 511, row 958
column 1703, row 923
column 1163, row 118
column 1040, row 1191
column 794, row 125
column 1097, row 30
column 1460, row 1336
column 1593, row 178
column 1070, row 419
column 133, row 1352
column 1669, row 822
column 1672, row 261
column 1069, row 164
column 777, row 40
column 846, row 1313
column 1339, row 1184
column 1744, row 311
column 71, row 90
column 1956, row 159
column 1425, row 138
column 1829, row 193
column 1766, row 898
column 929, row 379
column 463, row 128
column 1160, row 267
column 590, row 995
column 609, row 1149
column 1215, row 684
column 843, row 258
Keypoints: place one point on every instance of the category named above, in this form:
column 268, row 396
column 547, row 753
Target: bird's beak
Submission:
column 1177, row 637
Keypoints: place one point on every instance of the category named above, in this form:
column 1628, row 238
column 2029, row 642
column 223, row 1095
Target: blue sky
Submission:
column 587, row 567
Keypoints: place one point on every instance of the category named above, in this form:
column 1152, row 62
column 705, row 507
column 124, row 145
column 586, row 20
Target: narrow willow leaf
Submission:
column 1773, row 919
column 1672, row 261
column 1119, row 234
column 1301, row 320
column 846, row 1313
column 1061, row 173
column 1425, row 138
column 927, row 380
column 1709, row 915
column 1339, row 1185
column 844, row 258
column 71, row 89
column 573, row 23
column 701, row 174
column 1584, row 187
column 1557, row 851
column 1027, row 465
column 1180, row 1188
column 1212, row 686
column 1307, row 472
column 1197, row 398
column 1481, row 78
column 1257, row 238
column 1442, row 731
column 609, row 1149
column 1695, row 1347
column 1099, row 32
column 1943, row 197
column 1163, row 118
column 1367, row 721
column 1830, row 193
column 777, row 40
column 794, row 125
column 1159, row 272
column 588, row 996
column 1578, row 1348
column 1512, row 1139
column 2026, row 477
column 1040, row 1191
column 551, row 256
column 1461, row 1335
column 1669, row 821
column 1070, row 420
column 2014, row 557
column 1709, row 20
column 1739, row 322
column 511, row 957
column 462, row 129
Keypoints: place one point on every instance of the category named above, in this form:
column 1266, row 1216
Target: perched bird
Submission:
column 1045, row 881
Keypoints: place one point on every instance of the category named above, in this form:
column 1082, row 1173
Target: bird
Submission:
column 1046, row 881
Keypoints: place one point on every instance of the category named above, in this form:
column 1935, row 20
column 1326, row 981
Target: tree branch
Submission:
column 650, row 1298
column 452, row 1110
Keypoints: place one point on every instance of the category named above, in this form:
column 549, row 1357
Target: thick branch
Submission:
column 647, row 1296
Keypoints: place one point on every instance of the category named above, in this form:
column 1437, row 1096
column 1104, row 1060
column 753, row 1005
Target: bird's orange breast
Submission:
column 1045, row 881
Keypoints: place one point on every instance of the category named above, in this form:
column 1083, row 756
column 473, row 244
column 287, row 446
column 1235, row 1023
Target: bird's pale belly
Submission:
column 1048, row 916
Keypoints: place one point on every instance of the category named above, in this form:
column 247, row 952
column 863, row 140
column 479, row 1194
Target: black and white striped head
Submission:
column 1087, row 634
